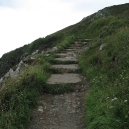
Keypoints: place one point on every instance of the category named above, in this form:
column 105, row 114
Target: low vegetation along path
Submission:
column 63, row 111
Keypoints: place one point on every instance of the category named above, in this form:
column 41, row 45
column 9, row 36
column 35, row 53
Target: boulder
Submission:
column 35, row 52
column 54, row 49
column 32, row 58
column 102, row 46
column 1, row 80
column 13, row 74
column 20, row 64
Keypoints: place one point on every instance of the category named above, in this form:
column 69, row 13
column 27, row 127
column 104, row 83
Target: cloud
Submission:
column 23, row 21
column 10, row 3
column 32, row 19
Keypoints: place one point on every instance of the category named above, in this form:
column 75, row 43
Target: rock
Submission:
column 29, row 61
column 42, row 52
column 72, row 112
column 13, row 74
column 6, row 75
column 47, row 55
column 102, row 46
column 35, row 52
column 1, row 80
column 86, row 48
column 32, row 58
column 21, row 63
column 17, row 71
column 40, row 108
column 54, row 49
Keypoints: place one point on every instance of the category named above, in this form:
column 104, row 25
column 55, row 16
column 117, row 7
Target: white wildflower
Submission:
column 114, row 99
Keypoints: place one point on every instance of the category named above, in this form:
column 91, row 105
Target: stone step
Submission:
column 66, row 59
column 74, row 47
column 64, row 79
column 66, row 54
column 62, row 54
column 70, row 49
column 65, row 68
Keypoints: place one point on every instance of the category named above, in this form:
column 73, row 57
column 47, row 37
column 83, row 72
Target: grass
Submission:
column 20, row 96
column 107, row 101
column 59, row 89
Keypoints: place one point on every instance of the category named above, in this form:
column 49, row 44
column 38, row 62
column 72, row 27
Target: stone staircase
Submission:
column 67, row 65
column 63, row 111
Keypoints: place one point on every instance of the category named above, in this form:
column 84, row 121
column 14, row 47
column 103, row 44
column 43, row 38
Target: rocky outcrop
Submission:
column 13, row 73
column 100, row 14
column 35, row 52
column 102, row 46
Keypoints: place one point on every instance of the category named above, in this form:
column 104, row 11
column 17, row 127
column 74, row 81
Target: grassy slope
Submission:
column 107, row 100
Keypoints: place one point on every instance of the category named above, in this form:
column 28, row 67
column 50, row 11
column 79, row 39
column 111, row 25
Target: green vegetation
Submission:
column 59, row 89
column 107, row 101
column 20, row 97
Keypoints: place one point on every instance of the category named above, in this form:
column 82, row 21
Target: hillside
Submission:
column 105, row 64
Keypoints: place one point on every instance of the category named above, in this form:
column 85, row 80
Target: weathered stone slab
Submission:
column 69, row 59
column 62, row 54
column 70, row 49
column 65, row 68
column 74, row 47
column 64, row 79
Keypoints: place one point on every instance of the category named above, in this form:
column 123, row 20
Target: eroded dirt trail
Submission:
column 64, row 111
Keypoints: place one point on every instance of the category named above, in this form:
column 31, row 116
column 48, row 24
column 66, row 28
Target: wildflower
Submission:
column 114, row 99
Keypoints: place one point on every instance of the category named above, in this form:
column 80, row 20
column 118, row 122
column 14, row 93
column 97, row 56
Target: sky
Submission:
column 23, row 21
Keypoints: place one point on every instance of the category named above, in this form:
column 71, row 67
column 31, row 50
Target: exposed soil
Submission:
column 65, row 111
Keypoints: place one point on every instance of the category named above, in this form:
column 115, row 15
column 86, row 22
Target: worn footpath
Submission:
column 64, row 111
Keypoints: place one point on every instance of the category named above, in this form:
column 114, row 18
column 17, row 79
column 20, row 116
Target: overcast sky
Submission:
column 23, row 21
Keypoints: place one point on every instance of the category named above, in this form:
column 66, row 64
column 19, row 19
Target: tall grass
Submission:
column 20, row 97
column 107, row 101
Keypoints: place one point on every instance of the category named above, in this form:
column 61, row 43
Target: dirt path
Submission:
column 65, row 111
